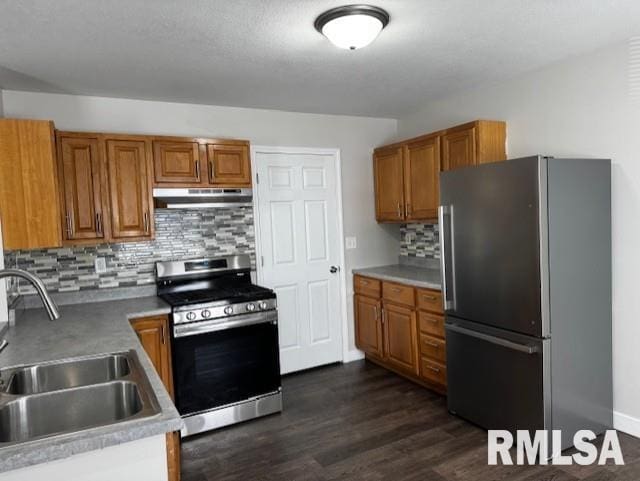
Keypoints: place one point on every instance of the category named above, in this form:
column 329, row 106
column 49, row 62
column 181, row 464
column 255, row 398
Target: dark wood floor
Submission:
column 360, row 422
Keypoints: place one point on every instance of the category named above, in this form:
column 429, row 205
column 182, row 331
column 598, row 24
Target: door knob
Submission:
column 334, row 269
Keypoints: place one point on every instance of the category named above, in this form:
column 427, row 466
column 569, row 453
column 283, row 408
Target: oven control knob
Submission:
column 206, row 314
column 191, row 316
column 251, row 306
column 262, row 305
column 228, row 310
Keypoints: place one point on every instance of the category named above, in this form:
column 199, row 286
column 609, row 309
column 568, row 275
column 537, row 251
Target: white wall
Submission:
column 579, row 107
column 354, row 136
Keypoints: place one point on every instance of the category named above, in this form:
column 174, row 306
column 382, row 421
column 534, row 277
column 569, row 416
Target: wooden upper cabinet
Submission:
column 421, row 176
column 229, row 165
column 176, row 162
column 81, row 180
column 389, row 184
column 368, row 312
column 459, row 149
column 407, row 173
column 130, row 188
column 401, row 337
column 29, row 201
column 476, row 143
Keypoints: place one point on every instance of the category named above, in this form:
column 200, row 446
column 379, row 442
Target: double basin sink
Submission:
column 58, row 398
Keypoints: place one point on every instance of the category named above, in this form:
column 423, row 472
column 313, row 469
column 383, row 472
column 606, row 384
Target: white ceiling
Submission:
column 253, row 53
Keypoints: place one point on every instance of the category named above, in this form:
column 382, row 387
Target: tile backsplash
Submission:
column 180, row 234
column 419, row 240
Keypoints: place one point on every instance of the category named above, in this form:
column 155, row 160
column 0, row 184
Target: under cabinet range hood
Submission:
column 196, row 198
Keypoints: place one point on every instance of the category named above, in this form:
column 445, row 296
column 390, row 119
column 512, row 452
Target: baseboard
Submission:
column 353, row 355
column 626, row 424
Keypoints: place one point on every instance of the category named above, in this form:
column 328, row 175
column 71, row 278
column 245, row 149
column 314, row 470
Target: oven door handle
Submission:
column 195, row 328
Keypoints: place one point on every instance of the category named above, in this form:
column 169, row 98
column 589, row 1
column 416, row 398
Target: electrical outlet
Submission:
column 409, row 237
column 351, row 242
column 101, row 265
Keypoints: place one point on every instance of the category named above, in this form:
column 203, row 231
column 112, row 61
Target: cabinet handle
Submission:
column 211, row 171
column 396, row 289
column 429, row 298
column 197, row 169
column 364, row 283
column 69, row 225
column 399, row 210
column 432, row 344
column 146, row 222
column 408, row 210
column 431, row 319
column 375, row 310
column 382, row 317
column 99, row 223
column 434, row 369
column 162, row 335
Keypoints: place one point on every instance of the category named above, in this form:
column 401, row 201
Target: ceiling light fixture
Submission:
column 352, row 26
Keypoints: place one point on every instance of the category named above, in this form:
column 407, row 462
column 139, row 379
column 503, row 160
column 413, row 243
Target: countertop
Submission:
column 427, row 277
column 82, row 330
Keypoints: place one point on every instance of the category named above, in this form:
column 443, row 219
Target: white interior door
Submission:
column 299, row 241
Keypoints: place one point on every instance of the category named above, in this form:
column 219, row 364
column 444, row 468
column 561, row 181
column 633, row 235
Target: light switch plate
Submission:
column 101, row 265
column 351, row 242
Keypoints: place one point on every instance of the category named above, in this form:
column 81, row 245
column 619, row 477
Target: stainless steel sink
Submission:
column 59, row 398
column 54, row 376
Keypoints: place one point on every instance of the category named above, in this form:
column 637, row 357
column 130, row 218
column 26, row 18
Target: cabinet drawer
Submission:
column 429, row 300
column 366, row 286
column 433, row 371
column 433, row 348
column 398, row 293
column 432, row 324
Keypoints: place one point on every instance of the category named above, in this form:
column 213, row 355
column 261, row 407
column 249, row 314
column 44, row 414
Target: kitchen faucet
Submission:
column 49, row 305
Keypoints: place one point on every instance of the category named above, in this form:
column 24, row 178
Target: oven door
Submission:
column 216, row 363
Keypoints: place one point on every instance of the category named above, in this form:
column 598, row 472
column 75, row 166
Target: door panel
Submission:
column 176, row 162
column 368, row 325
column 459, row 149
column 297, row 196
column 389, row 184
column 229, row 165
column 131, row 214
column 421, row 173
column 493, row 385
column 400, row 334
column 492, row 244
column 153, row 333
column 81, row 169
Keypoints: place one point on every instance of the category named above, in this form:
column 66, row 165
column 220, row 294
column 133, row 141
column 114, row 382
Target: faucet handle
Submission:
column 3, row 344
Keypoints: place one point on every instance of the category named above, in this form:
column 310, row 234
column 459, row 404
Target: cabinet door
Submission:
column 368, row 325
column 130, row 189
column 176, row 162
column 153, row 333
column 389, row 188
column 80, row 168
column 400, row 334
column 229, row 165
column 29, row 202
column 421, row 173
column 459, row 149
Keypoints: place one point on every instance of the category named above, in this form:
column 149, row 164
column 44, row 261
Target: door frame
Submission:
column 342, row 277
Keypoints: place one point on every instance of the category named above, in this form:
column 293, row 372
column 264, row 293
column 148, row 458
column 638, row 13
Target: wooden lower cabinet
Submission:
column 401, row 327
column 368, row 325
column 400, row 337
column 153, row 333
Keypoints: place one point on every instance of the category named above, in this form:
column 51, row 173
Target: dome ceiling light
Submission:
column 352, row 26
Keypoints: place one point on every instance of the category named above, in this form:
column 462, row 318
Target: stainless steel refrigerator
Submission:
column 526, row 264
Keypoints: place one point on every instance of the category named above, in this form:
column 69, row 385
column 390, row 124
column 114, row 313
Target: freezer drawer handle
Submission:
column 527, row 349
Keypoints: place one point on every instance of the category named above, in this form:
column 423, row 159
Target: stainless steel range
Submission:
column 226, row 366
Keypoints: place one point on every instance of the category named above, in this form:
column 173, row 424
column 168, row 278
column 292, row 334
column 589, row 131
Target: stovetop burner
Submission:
column 231, row 295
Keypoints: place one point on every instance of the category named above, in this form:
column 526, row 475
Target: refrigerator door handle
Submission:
column 444, row 211
column 515, row 346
